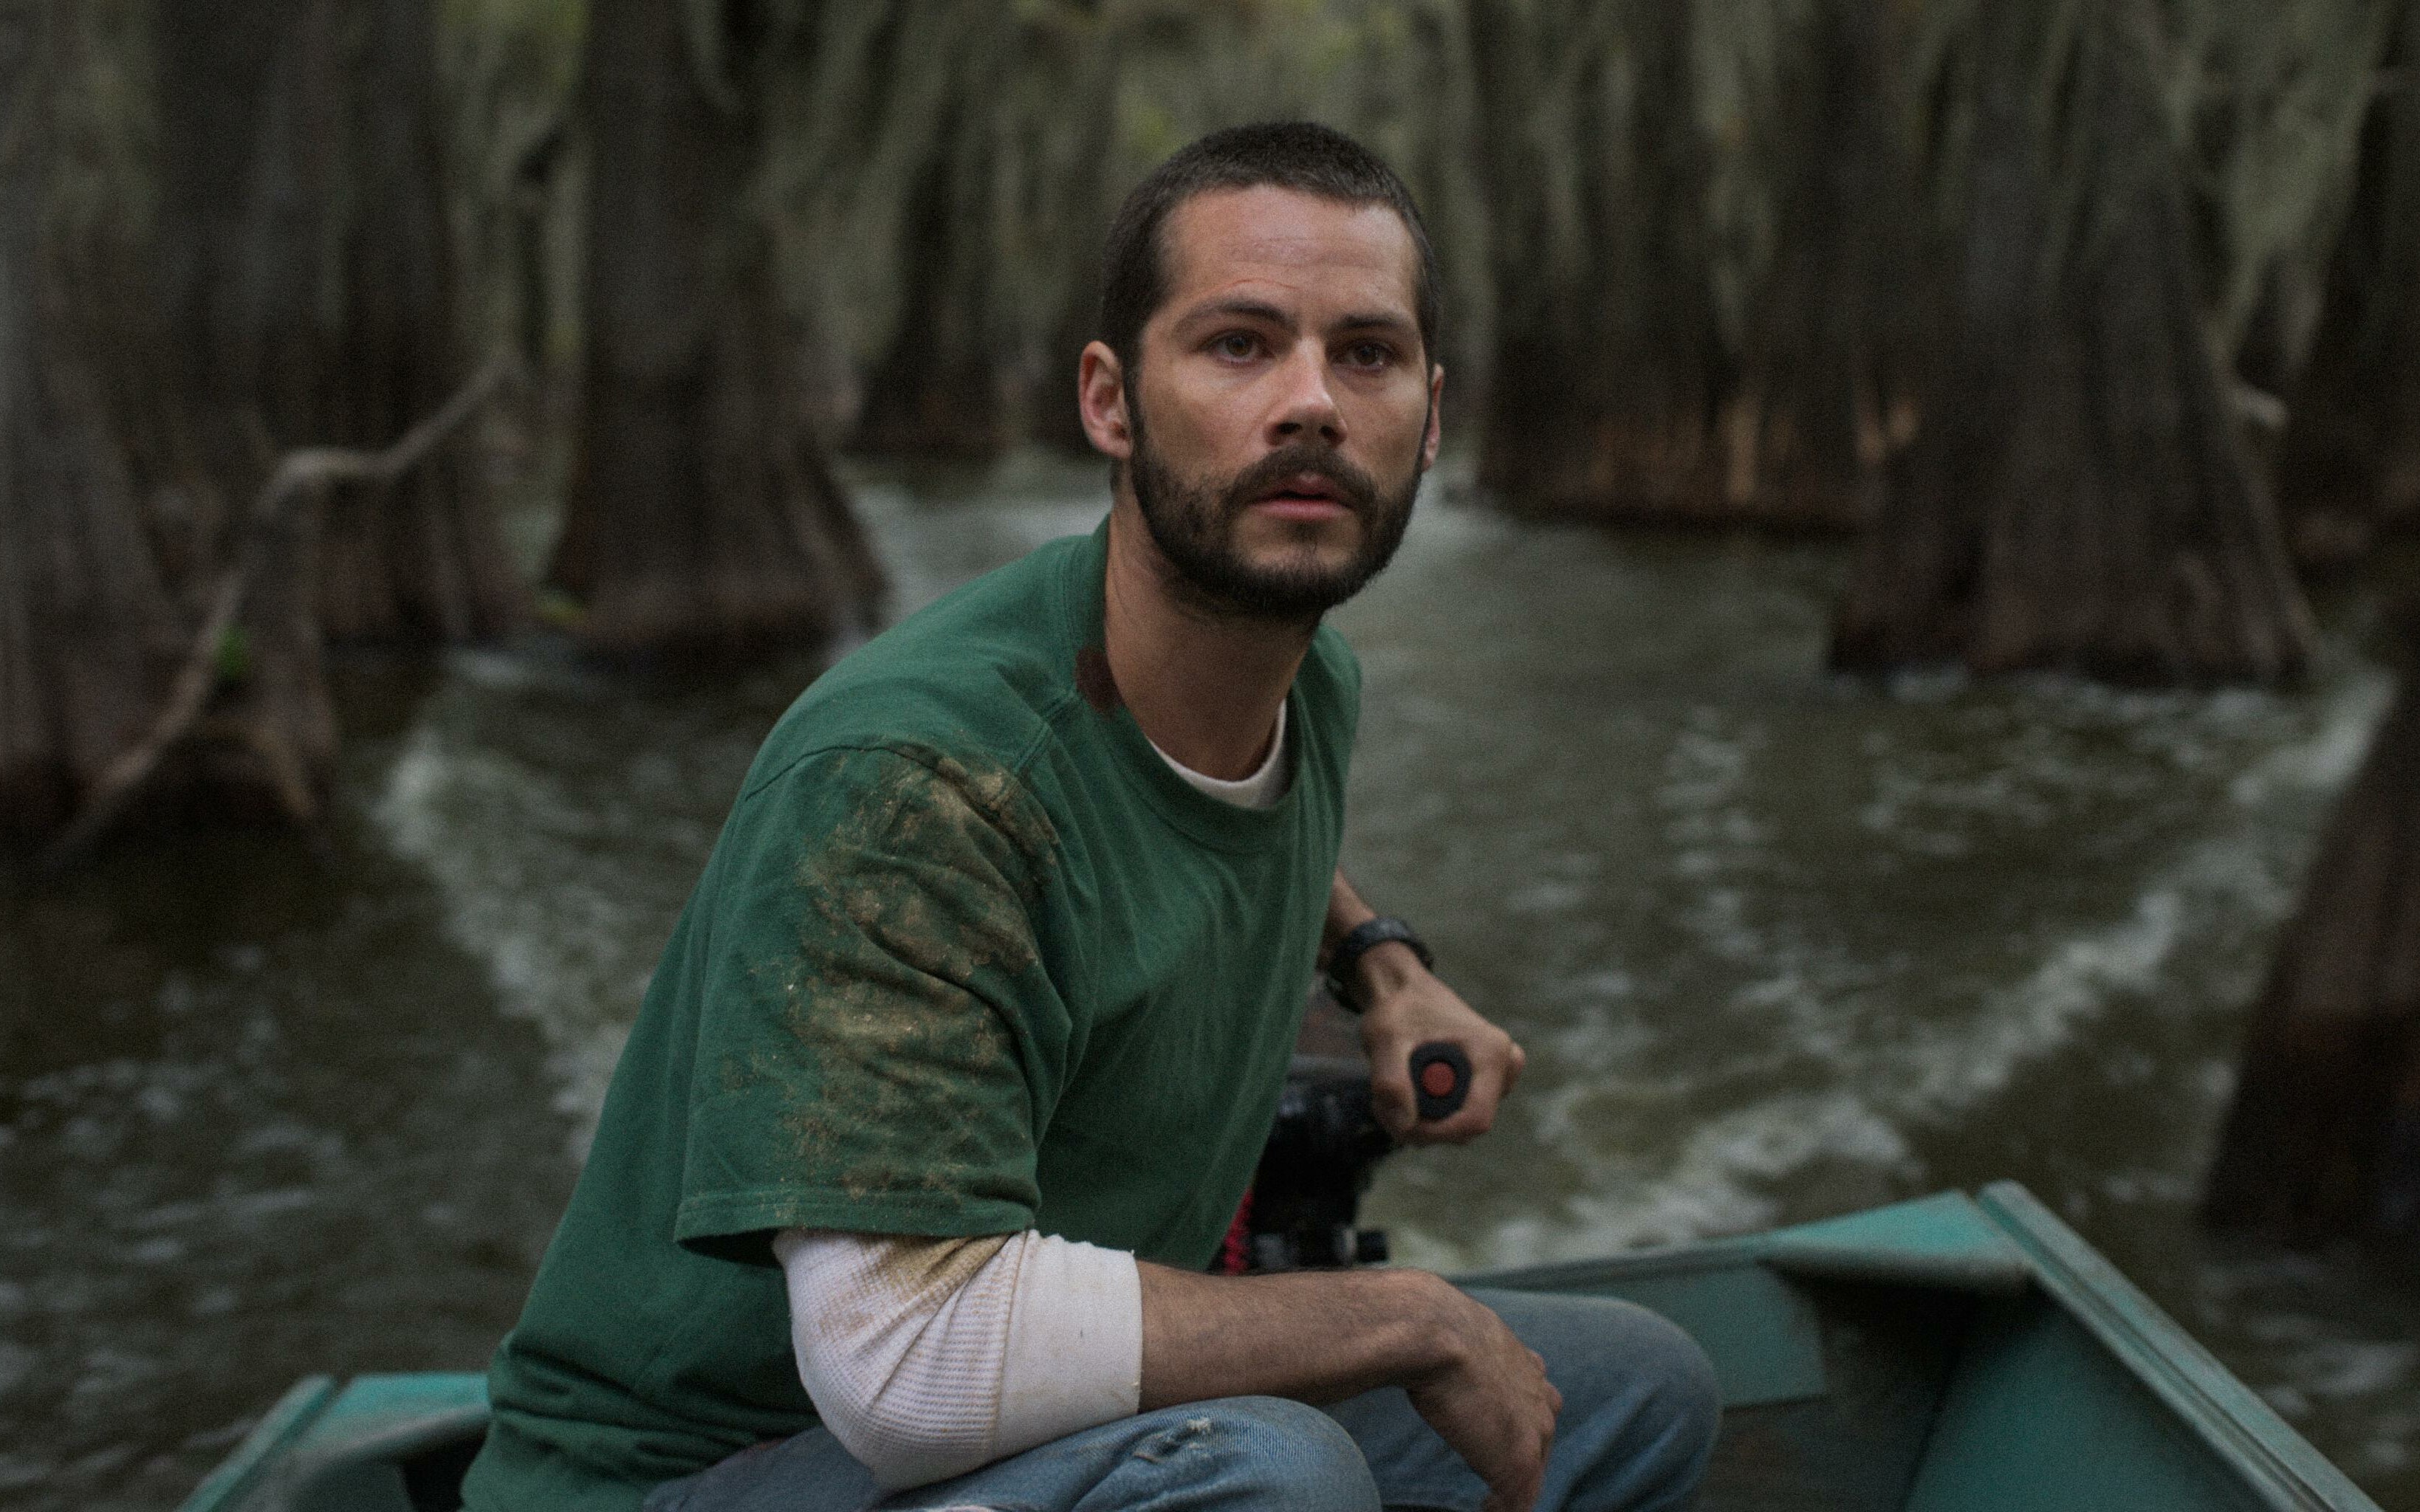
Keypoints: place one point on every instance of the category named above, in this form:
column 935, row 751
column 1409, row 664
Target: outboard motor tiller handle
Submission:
column 1440, row 1079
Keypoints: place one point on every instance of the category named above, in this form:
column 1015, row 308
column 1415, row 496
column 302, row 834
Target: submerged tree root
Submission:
column 300, row 478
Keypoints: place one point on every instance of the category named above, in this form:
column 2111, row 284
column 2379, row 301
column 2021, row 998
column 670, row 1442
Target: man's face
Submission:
column 1283, row 409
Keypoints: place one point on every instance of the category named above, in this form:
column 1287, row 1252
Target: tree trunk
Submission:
column 2349, row 466
column 87, row 628
column 311, row 287
column 940, row 171
column 2077, row 497
column 2324, row 1136
column 112, row 533
column 702, row 510
column 1826, row 397
column 1608, row 362
column 938, row 390
column 1051, row 414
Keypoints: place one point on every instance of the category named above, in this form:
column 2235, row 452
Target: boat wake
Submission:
column 1810, row 1086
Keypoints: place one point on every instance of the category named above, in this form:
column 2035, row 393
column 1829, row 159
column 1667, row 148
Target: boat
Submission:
column 1953, row 1353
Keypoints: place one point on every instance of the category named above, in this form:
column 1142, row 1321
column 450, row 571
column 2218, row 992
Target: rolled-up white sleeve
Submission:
column 928, row 1357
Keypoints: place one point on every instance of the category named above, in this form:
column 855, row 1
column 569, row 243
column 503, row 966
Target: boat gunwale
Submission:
column 2274, row 1460
column 1984, row 1261
column 2035, row 1250
column 287, row 1419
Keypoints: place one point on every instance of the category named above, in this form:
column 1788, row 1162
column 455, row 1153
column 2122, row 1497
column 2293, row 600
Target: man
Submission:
column 961, row 1055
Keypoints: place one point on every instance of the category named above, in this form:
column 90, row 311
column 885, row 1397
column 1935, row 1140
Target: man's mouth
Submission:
column 1303, row 496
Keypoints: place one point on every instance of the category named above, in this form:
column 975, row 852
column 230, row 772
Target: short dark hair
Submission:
column 1302, row 156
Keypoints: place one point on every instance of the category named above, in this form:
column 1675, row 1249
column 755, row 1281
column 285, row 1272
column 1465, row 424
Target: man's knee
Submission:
column 1660, row 1420
column 1687, row 1401
column 1258, row 1452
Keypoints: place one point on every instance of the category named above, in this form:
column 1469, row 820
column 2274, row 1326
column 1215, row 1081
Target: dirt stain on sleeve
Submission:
column 918, row 921
column 909, row 1277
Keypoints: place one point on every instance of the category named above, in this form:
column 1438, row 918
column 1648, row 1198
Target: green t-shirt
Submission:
column 968, row 958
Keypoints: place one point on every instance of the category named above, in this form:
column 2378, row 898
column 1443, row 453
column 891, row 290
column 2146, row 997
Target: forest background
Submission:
column 2091, row 329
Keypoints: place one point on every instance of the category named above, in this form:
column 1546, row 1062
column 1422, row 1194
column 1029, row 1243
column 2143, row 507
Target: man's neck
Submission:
column 1204, row 686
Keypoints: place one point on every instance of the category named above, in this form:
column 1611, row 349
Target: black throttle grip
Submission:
column 1440, row 1079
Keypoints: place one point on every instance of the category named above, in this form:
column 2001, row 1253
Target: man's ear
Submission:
column 1436, row 412
column 1101, row 401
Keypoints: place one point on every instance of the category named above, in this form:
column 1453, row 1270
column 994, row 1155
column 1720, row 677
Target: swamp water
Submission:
column 1780, row 944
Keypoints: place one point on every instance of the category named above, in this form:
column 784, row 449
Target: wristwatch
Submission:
column 1341, row 982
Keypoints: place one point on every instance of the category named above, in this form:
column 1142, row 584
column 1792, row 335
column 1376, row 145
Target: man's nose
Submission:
column 1306, row 409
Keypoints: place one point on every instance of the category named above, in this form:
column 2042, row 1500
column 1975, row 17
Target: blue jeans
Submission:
column 1640, row 1412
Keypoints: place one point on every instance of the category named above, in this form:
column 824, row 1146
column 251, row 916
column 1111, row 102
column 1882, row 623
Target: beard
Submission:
column 1194, row 524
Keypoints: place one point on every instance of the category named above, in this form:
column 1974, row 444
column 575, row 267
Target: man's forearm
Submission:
column 1315, row 1337
column 1346, row 911
column 1381, row 968
column 1321, row 1336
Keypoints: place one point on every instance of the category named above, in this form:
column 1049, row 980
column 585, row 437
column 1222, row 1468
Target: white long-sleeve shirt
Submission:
column 927, row 1357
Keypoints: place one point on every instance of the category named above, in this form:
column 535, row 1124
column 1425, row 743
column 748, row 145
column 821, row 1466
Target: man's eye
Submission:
column 1369, row 354
column 1236, row 344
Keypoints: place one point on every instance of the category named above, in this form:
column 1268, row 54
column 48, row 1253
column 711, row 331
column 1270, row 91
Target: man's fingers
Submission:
column 1517, row 1494
column 1522, row 1492
column 1478, row 1113
column 1390, row 1094
column 1477, row 1116
column 1497, row 1409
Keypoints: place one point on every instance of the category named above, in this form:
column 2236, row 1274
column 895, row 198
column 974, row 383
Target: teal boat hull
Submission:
column 1948, row 1354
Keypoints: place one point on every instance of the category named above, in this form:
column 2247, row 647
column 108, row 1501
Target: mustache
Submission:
column 1356, row 489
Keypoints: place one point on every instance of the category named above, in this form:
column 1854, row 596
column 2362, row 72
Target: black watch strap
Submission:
column 1341, row 982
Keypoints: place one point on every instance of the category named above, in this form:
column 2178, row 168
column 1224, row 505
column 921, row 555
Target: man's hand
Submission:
column 1404, row 1007
column 1407, row 1008
column 1324, row 1336
column 1491, row 1400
